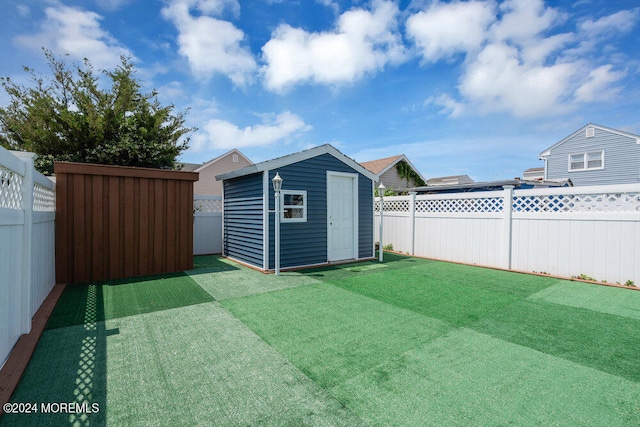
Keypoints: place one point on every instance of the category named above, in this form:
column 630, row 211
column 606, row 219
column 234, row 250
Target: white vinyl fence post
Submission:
column 412, row 219
column 27, row 249
column 508, row 225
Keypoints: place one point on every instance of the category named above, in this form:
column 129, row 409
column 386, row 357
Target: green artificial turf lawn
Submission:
column 91, row 302
column 406, row 342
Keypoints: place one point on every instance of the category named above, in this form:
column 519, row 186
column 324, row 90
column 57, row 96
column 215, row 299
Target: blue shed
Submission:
column 326, row 210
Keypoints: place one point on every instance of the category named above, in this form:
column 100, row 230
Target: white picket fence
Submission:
column 27, row 245
column 207, row 225
column 570, row 231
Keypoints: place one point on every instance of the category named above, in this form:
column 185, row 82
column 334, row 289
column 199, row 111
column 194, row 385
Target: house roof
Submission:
column 197, row 167
column 547, row 152
column 441, row 180
column 380, row 166
column 534, row 170
column 295, row 158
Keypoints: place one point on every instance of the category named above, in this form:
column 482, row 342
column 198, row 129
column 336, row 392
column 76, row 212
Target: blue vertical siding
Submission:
column 621, row 159
column 243, row 219
column 306, row 243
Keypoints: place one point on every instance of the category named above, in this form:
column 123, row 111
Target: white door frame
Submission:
column 354, row 181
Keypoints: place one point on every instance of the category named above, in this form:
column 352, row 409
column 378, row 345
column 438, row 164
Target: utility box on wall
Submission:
column 116, row 222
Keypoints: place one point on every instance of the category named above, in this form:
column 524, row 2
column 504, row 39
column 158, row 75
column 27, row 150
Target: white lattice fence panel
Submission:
column 44, row 199
column 603, row 202
column 207, row 205
column 10, row 189
column 399, row 205
column 465, row 205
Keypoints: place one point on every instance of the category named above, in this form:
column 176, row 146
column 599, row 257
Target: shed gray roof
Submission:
column 295, row 158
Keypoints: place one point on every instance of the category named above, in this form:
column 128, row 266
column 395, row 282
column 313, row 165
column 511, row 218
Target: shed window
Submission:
column 294, row 206
column 585, row 161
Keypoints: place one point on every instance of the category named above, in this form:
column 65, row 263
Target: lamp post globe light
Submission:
column 277, row 186
column 381, row 188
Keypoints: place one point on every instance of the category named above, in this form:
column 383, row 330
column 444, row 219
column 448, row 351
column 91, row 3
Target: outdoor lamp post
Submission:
column 381, row 194
column 277, row 186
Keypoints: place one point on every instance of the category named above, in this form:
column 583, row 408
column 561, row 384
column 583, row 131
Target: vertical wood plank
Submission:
column 160, row 243
column 128, row 227
column 79, row 249
column 143, row 243
column 114, row 211
column 62, row 217
column 96, row 231
column 171, row 214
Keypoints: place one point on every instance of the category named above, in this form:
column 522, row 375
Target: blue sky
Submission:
column 462, row 87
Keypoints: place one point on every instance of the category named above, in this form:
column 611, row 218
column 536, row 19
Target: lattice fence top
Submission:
column 603, row 202
column 466, row 205
column 207, row 205
column 10, row 189
column 394, row 205
column 44, row 200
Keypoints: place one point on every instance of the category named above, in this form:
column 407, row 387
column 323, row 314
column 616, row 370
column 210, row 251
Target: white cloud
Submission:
column 498, row 81
column 622, row 21
column 363, row 42
column 23, row 10
column 524, row 20
column 450, row 106
column 598, row 86
column 78, row 33
column 220, row 134
column 513, row 61
column 448, row 28
column 211, row 45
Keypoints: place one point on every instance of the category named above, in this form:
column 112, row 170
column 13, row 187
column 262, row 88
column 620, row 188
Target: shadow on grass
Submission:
column 66, row 377
column 342, row 271
column 211, row 264
column 127, row 297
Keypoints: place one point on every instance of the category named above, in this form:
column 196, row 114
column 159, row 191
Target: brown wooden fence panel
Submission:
column 114, row 222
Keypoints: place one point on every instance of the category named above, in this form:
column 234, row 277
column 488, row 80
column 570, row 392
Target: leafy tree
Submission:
column 69, row 117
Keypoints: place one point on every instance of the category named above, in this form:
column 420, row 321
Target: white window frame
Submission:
column 283, row 206
column 585, row 161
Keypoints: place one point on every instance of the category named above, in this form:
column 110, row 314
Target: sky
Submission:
column 460, row 87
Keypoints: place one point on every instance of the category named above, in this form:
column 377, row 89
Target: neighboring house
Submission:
column 386, row 172
column 594, row 155
column 207, row 185
column 326, row 215
column 450, row 180
column 533, row 174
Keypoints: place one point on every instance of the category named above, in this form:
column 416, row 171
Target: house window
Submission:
column 294, row 206
column 235, row 158
column 586, row 161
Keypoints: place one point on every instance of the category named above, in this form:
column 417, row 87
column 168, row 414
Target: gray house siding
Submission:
column 243, row 219
column 621, row 159
column 305, row 243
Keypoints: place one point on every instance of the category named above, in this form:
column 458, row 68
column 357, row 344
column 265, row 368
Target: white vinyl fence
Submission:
column 569, row 231
column 207, row 225
column 27, row 245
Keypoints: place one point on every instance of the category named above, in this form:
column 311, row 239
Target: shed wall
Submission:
column 306, row 243
column 621, row 159
column 115, row 222
column 243, row 219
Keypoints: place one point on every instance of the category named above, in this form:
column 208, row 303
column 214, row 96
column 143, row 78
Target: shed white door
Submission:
column 342, row 212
